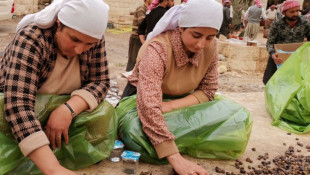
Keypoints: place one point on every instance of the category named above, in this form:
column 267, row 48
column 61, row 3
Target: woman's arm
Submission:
column 22, row 79
column 149, row 106
column 189, row 100
column 20, row 87
column 60, row 119
column 142, row 29
column 46, row 161
column 94, row 67
column 95, row 76
column 149, row 98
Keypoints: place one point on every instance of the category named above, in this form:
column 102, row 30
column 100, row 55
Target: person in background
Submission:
column 183, row 1
column 292, row 28
column 253, row 16
column 306, row 9
column 148, row 24
column 279, row 13
column 134, row 41
column 271, row 16
column 171, row 4
column 307, row 16
column 54, row 51
column 226, row 25
column 178, row 58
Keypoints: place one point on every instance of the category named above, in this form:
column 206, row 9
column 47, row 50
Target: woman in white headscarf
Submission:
column 59, row 50
column 179, row 57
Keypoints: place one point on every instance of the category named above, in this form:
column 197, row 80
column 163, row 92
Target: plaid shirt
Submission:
column 281, row 32
column 27, row 63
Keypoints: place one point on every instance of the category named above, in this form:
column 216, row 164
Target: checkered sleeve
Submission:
column 21, row 84
column 98, row 81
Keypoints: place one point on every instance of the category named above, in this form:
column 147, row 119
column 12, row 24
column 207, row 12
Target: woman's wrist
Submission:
column 173, row 157
column 45, row 159
column 71, row 110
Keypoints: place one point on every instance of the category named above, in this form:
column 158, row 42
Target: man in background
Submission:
column 253, row 16
column 153, row 17
column 271, row 17
column 292, row 28
column 134, row 41
column 226, row 25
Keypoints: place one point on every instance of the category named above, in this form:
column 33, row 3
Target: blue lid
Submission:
column 130, row 155
column 118, row 144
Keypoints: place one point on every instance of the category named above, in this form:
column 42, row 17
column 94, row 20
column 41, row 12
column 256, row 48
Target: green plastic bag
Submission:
column 91, row 137
column 287, row 93
column 217, row 129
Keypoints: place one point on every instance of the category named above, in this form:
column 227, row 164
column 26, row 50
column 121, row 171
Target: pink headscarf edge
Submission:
column 153, row 5
column 288, row 4
column 258, row 3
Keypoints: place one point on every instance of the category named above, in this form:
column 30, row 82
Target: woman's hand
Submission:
column 185, row 167
column 61, row 118
column 58, row 125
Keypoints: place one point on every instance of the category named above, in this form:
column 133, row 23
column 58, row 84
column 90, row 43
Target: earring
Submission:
column 56, row 35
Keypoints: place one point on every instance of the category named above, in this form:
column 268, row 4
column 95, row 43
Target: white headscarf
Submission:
column 89, row 17
column 195, row 13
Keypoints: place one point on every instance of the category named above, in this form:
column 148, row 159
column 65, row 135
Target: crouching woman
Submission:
column 178, row 58
column 175, row 109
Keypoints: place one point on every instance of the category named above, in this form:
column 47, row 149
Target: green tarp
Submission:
column 287, row 93
column 217, row 129
column 91, row 134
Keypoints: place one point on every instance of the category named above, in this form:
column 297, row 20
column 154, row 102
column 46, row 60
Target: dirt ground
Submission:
column 245, row 88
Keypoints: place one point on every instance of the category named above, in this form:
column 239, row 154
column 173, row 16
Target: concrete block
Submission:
column 223, row 48
column 220, row 46
column 19, row 9
column 245, row 65
column 240, row 53
column 243, row 58
column 261, row 65
column 264, row 53
column 20, row 2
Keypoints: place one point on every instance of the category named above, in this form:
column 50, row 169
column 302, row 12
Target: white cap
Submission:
column 195, row 13
column 202, row 13
column 89, row 17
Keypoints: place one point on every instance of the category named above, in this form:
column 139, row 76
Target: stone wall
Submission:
column 243, row 58
column 23, row 7
column 118, row 8
column 122, row 8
